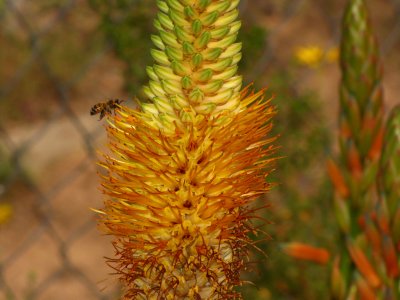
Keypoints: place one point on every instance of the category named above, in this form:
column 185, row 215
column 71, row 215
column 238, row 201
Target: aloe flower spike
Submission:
column 187, row 167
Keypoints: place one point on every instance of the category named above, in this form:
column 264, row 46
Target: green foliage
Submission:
column 253, row 39
column 13, row 52
column 27, row 90
column 301, row 198
column 129, row 31
column 304, row 136
column 5, row 165
column 303, row 195
column 2, row 7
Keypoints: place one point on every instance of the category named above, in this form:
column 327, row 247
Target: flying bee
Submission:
column 104, row 108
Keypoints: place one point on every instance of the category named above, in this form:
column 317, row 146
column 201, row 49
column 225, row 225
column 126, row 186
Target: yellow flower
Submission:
column 310, row 56
column 332, row 55
column 314, row 56
column 5, row 212
column 264, row 294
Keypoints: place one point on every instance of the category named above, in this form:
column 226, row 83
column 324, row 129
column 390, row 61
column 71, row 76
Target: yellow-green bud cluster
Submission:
column 196, row 61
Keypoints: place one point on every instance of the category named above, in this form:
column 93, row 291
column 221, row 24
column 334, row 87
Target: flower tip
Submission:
column 97, row 211
column 306, row 252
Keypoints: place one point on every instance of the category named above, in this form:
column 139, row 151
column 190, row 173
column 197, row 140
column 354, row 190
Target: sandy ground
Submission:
column 66, row 176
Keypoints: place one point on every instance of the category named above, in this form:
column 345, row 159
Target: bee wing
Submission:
column 102, row 114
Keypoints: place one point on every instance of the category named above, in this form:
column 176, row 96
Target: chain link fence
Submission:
column 56, row 61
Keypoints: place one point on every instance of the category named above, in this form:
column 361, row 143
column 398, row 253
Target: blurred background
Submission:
column 60, row 57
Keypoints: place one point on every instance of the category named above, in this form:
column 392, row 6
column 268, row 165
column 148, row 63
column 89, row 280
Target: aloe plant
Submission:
column 366, row 200
column 187, row 166
column 366, row 265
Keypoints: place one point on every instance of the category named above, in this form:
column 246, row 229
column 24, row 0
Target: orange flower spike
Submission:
column 364, row 290
column 376, row 147
column 363, row 265
column 382, row 218
column 306, row 252
column 391, row 259
column 354, row 161
column 187, row 165
column 189, row 182
column 338, row 284
column 345, row 130
column 342, row 212
column 396, row 225
column 372, row 233
column 337, row 179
